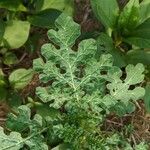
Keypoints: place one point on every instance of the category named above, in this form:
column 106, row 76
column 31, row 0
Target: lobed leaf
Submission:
column 78, row 77
column 22, row 123
column 13, row 141
column 120, row 90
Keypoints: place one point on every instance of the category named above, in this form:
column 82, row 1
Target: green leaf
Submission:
column 147, row 98
column 13, row 5
column 10, row 58
column 122, row 109
column 105, row 45
column 45, row 18
column 120, row 90
column 63, row 5
column 138, row 41
column 70, row 62
column 129, row 17
column 20, row 78
column 140, row 36
column 45, row 111
column 106, row 11
column 138, row 56
column 83, row 86
column 21, row 122
column 13, row 141
column 14, row 100
column 68, row 31
column 50, row 95
column 144, row 10
column 69, row 84
column 16, row 33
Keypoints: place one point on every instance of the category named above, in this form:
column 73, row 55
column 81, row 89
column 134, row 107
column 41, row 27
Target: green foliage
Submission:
column 15, row 34
column 22, row 123
column 106, row 45
column 10, row 58
column 140, row 36
column 85, row 88
column 20, row 78
column 128, row 38
column 127, row 28
column 15, row 5
column 144, row 10
column 80, row 87
column 129, row 17
column 138, row 56
column 9, row 88
column 18, row 17
column 63, row 5
column 45, row 18
column 106, row 11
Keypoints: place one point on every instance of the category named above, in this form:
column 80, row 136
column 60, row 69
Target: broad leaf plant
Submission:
column 83, row 88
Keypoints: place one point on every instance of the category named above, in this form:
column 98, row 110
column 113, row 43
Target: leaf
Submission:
column 138, row 56
column 73, row 74
column 140, row 36
column 14, row 100
column 16, row 33
column 129, row 17
column 83, row 86
column 144, row 11
column 13, row 141
column 45, row 111
column 63, row 5
column 147, row 98
column 138, row 41
column 10, row 59
column 70, row 62
column 105, row 45
column 13, row 5
column 122, row 109
column 68, row 31
column 106, row 11
column 20, row 78
column 45, row 18
column 120, row 90
column 22, row 122
column 50, row 95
